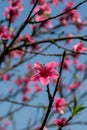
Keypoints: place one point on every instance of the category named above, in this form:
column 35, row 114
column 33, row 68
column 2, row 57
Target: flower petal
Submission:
column 53, row 74
column 51, row 65
column 35, row 77
column 44, row 80
column 38, row 66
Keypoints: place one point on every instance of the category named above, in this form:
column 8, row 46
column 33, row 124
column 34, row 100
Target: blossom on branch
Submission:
column 59, row 105
column 79, row 48
column 13, row 11
column 45, row 72
column 60, row 122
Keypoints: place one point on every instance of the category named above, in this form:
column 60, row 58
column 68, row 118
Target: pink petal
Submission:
column 53, row 74
column 44, row 80
column 35, row 77
column 38, row 66
column 51, row 65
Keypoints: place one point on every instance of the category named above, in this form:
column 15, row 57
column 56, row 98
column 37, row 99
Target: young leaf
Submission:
column 78, row 109
column 75, row 103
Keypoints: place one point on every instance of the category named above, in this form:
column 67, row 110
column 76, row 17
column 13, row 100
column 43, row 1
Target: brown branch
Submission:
column 49, row 40
column 54, row 93
column 50, row 18
column 21, row 103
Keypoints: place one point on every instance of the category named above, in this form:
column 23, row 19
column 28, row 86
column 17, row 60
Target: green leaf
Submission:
column 78, row 109
column 75, row 103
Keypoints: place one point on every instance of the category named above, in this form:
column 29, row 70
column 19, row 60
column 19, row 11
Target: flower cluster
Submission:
column 72, row 16
column 13, row 11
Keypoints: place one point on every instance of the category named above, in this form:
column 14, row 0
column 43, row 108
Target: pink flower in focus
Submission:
column 60, row 122
column 45, row 73
column 59, row 105
column 17, row 53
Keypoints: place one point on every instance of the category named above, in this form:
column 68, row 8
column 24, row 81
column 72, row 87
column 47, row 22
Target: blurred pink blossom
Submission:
column 59, row 105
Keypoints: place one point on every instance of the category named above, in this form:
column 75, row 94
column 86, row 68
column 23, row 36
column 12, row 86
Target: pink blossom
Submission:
column 45, row 72
column 29, row 38
column 7, row 123
column 5, row 77
column 17, row 4
column 4, row 33
column 26, row 89
column 47, row 25
column 79, row 66
column 66, row 63
column 25, row 98
column 55, row 2
column 72, row 16
column 3, row 29
column 79, row 47
column 13, row 11
column 59, row 105
column 43, row 10
column 80, row 24
column 19, row 81
column 60, row 122
column 68, row 41
column 75, row 85
column 37, row 88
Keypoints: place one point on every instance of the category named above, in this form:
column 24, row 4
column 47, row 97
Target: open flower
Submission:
column 45, row 72
column 79, row 47
column 59, row 105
